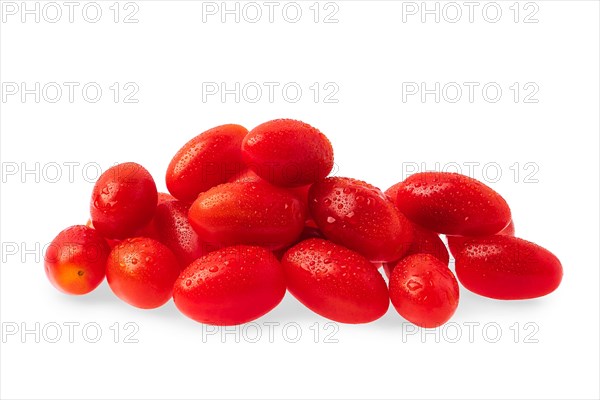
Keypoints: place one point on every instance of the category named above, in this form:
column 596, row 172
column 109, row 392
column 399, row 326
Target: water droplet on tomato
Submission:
column 413, row 285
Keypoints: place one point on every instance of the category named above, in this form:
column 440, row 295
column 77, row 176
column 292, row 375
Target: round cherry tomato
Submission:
column 359, row 216
column 423, row 290
column 424, row 241
column 230, row 286
column 248, row 213
column 207, row 160
column 455, row 243
column 507, row 268
column 335, row 282
column 287, row 152
column 75, row 260
column 141, row 272
column 123, row 200
column 452, row 204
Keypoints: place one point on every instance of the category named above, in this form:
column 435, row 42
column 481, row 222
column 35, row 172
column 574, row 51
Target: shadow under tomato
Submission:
column 289, row 310
column 473, row 307
column 101, row 295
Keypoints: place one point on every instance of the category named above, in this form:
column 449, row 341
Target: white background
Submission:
column 377, row 136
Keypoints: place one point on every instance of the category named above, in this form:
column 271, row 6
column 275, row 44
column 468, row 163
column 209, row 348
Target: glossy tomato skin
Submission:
column 230, row 286
column 359, row 216
column 150, row 230
column 141, row 271
column 111, row 242
column 424, row 241
column 335, row 282
column 392, row 192
column 176, row 232
column 287, row 152
column 164, row 197
column 507, row 268
column 75, row 261
column 248, row 175
column 424, row 291
column 452, row 204
column 248, row 213
column 123, row 200
column 207, row 160
column 310, row 231
column 455, row 243
column 428, row 242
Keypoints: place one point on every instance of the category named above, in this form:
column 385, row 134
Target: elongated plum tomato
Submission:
column 141, row 272
column 230, row 286
column 123, row 200
column 176, row 232
column 452, row 204
column 507, row 268
column 207, row 160
column 455, row 243
column 424, row 241
column 423, row 290
column 75, row 260
column 335, row 282
column 286, row 152
column 359, row 216
column 248, row 213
